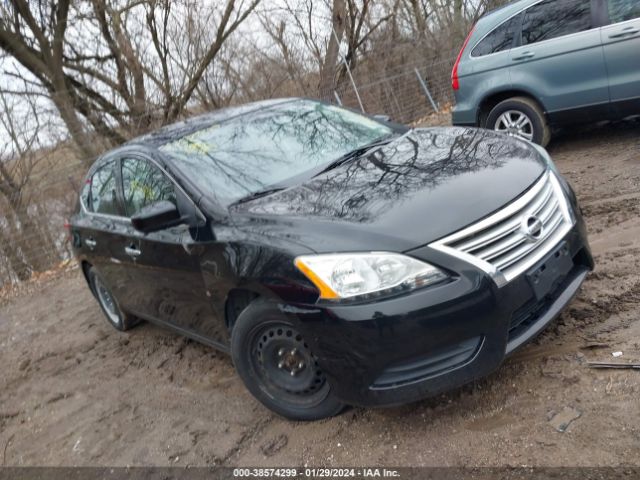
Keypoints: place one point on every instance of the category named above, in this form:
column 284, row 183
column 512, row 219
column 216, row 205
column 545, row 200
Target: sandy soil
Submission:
column 73, row 391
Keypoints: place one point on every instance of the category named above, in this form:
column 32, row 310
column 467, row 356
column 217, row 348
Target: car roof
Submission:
column 180, row 129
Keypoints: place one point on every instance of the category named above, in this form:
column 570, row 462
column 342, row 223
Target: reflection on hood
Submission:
column 362, row 190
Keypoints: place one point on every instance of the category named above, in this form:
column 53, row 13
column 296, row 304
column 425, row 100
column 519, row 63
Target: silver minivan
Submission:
column 535, row 64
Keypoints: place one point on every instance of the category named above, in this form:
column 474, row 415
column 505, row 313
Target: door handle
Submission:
column 524, row 56
column 90, row 242
column 132, row 252
column 625, row 32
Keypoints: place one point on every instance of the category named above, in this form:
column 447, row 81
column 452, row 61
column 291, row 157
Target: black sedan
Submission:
column 340, row 259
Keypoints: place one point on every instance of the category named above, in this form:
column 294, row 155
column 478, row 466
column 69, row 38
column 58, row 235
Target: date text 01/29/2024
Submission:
column 315, row 473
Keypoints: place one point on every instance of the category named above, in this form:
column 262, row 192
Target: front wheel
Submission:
column 520, row 117
column 277, row 365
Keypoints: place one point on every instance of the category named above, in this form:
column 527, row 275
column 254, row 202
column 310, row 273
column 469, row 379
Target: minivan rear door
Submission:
column 621, row 42
column 560, row 60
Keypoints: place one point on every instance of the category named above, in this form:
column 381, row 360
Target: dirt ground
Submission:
column 73, row 391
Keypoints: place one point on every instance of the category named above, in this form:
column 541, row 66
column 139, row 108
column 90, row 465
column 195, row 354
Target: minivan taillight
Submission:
column 455, row 83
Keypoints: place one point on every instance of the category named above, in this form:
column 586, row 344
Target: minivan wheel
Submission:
column 277, row 365
column 115, row 316
column 520, row 117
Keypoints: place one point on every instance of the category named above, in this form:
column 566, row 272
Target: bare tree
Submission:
column 309, row 34
column 114, row 68
column 26, row 246
column 330, row 61
column 354, row 22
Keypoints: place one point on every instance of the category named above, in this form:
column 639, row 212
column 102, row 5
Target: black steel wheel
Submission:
column 277, row 365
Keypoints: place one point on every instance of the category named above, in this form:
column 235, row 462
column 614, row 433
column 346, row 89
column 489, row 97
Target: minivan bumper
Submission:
column 463, row 117
column 419, row 345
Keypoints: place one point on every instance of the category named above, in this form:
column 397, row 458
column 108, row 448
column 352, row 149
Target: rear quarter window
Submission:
column 623, row 10
column 500, row 39
column 555, row 18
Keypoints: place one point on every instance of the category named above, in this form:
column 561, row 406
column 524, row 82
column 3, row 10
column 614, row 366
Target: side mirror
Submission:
column 382, row 118
column 157, row 216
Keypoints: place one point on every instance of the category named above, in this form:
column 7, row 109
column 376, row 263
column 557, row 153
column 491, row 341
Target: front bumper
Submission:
column 415, row 346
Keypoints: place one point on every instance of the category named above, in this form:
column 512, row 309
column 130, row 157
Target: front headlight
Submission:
column 365, row 275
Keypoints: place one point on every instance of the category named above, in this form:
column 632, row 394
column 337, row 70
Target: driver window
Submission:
column 144, row 184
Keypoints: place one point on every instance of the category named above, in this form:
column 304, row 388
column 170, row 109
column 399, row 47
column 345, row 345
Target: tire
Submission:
column 536, row 128
column 108, row 304
column 277, row 366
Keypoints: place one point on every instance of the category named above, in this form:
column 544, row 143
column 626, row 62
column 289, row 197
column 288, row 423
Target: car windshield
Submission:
column 249, row 153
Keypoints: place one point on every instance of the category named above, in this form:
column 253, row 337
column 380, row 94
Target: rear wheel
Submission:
column 115, row 316
column 277, row 365
column 520, row 117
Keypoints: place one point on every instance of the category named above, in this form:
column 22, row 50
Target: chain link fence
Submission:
column 36, row 201
column 406, row 94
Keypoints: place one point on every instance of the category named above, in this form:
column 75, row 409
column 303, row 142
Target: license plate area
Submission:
column 545, row 275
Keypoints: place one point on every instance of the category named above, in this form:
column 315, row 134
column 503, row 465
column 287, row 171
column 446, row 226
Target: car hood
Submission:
column 420, row 187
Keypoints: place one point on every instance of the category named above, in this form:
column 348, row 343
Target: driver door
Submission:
column 165, row 279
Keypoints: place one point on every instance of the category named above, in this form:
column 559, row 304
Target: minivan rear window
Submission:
column 499, row 39
column 623, row 10
column 555, row 18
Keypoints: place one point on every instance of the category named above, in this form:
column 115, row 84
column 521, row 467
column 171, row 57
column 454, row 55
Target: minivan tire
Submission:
column 262, row 340
column 540, row 128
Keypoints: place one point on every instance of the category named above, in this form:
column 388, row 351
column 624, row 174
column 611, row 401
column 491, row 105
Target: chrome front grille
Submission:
column 511, row 241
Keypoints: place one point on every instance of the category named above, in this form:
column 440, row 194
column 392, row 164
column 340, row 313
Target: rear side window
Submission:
column 623, row 10
column 103, row 197
column 499, row 39
column 144, row 184
column 555, row 18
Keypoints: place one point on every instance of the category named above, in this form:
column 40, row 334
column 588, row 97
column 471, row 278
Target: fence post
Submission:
column 337, row 97
column 426, row 90
column 344, row 60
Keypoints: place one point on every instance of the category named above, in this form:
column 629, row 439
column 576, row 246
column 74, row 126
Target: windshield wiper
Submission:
column 353, row 154
column 258, row 194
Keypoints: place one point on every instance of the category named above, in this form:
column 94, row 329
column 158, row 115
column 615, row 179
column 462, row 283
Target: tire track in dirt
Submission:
column 587, row 321
column 630, row 205
column 247, row 439
column 619, row 197
column 607, row 305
